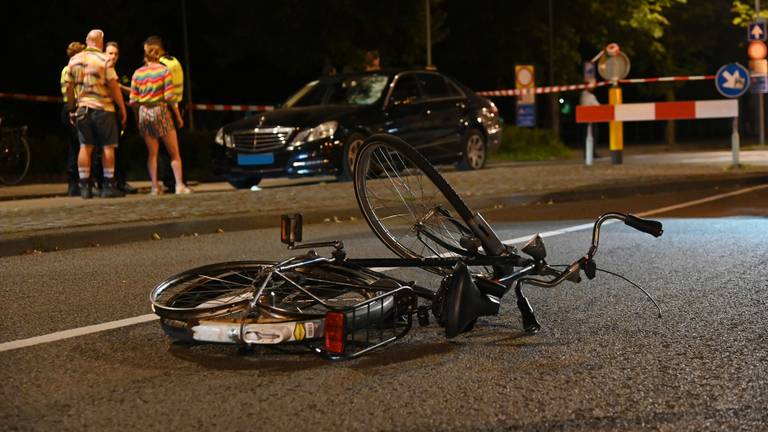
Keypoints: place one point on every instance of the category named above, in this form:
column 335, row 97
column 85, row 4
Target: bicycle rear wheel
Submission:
column 14, row 157
column 407, row 203
column 228, row 288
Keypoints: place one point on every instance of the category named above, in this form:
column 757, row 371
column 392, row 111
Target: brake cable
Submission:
column 650, row 297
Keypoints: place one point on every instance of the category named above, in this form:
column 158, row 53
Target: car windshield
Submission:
column 346, row 90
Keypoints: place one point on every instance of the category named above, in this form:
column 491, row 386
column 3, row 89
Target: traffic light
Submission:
column 566, row 108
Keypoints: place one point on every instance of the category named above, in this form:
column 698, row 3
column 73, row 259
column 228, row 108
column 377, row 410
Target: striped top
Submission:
column 87, row 69
column 151, row 84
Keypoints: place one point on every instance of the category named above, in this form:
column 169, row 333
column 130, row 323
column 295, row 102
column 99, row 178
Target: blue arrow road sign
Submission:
column 756, row 31
column 732, row 80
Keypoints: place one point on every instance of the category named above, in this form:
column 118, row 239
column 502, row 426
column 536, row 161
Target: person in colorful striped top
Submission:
column 152, row 92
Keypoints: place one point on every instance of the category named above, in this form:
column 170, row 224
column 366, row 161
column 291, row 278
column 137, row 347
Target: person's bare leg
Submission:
column 108, row 158
column 84, row 159
column 171, row 142
column 84, row 169
column 152, row 149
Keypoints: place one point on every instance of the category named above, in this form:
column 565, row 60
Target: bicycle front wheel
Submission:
column 14, row 158
column 407, row 203
column 228, row 288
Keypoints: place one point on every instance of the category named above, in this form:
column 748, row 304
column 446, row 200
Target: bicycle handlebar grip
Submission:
column 649, row 226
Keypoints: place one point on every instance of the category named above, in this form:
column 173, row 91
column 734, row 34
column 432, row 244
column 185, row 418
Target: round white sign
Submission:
column 613, row 67
column 524, row 76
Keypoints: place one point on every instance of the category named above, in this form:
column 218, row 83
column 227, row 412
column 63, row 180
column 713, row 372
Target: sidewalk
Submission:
column 52, row 223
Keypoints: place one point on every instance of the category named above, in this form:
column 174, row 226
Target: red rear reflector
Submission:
column 334, row 332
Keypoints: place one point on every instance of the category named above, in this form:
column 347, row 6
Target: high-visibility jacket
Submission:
column 177, row 76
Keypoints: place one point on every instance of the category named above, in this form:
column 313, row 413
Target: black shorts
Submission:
column 97, row 127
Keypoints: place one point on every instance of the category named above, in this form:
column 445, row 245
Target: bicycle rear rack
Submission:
column 354, row 331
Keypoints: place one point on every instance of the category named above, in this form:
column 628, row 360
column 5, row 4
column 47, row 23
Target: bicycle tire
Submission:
column 386, row 170
column 14, row 157
column 227, row 289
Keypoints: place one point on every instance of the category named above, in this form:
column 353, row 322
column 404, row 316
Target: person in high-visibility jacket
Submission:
column 177, row 78
column 74, row 142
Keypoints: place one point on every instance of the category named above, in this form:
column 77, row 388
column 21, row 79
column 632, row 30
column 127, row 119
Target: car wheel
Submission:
column 244, row 182
column 349, row 154
column 475, row 151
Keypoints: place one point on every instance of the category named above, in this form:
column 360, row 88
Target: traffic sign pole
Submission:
column 615, row 128
column 614, row 65
column 760, row 98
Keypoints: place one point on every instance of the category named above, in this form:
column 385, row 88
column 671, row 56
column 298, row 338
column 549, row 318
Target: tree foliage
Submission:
column 259, row 51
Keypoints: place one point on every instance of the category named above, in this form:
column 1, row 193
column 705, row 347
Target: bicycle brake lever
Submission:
column 589, row 266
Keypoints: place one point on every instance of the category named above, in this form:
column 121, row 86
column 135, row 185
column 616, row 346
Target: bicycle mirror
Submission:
column 290, row 228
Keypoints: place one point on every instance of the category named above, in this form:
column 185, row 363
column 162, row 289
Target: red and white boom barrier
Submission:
column 688, row 110
column 726, row 108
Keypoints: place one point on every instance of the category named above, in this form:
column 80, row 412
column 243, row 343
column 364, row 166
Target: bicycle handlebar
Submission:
column 585, row 263
column 651, row 227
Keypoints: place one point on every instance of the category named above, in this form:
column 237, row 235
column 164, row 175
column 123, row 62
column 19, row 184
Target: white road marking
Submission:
column 96, row 328
column 66, row 334
column 701, row 201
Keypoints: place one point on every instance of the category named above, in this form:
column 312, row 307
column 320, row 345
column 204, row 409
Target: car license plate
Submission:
column 256, row 159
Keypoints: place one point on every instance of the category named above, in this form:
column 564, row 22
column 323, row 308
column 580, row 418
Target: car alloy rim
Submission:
column 354, row 146
column 475, row 151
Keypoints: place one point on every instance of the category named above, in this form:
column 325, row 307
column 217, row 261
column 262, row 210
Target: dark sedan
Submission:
column 318, row 130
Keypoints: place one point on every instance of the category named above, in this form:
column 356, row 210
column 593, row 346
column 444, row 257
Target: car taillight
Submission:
column 334, row 332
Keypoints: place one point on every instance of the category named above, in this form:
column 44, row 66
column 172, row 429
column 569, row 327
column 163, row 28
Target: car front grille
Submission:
column 259, row 140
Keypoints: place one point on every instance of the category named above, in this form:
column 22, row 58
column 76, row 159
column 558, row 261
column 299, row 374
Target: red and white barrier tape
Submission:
column 563, row 88
column 198, row 107
column 492, row 93
column 220, row 107
column 31, row 97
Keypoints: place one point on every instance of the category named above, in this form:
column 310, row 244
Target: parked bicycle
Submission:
column 14, row 154
column 341, row 307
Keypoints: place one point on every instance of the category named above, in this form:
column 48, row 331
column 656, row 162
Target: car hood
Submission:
column 305, row 117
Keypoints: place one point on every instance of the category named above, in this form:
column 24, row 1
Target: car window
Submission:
column 309, row 95
column 406, row 90
column 433, row 86
column 359, row 90
column 453, row 89
column 346, row 90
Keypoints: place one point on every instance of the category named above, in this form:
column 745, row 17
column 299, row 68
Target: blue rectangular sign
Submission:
column 759, row 84
column 255, row 159
column 526, row 115
column 756, row 31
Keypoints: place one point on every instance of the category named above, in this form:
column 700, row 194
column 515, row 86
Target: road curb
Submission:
column 92, row 236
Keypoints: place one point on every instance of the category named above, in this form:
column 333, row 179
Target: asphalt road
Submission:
column 603, row 361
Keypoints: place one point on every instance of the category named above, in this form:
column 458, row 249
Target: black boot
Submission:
column 73, row 189
column 109, row 189
column 85, row 188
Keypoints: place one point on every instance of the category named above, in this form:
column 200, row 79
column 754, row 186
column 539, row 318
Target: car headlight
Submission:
column 323, row 130
column 224, row 139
